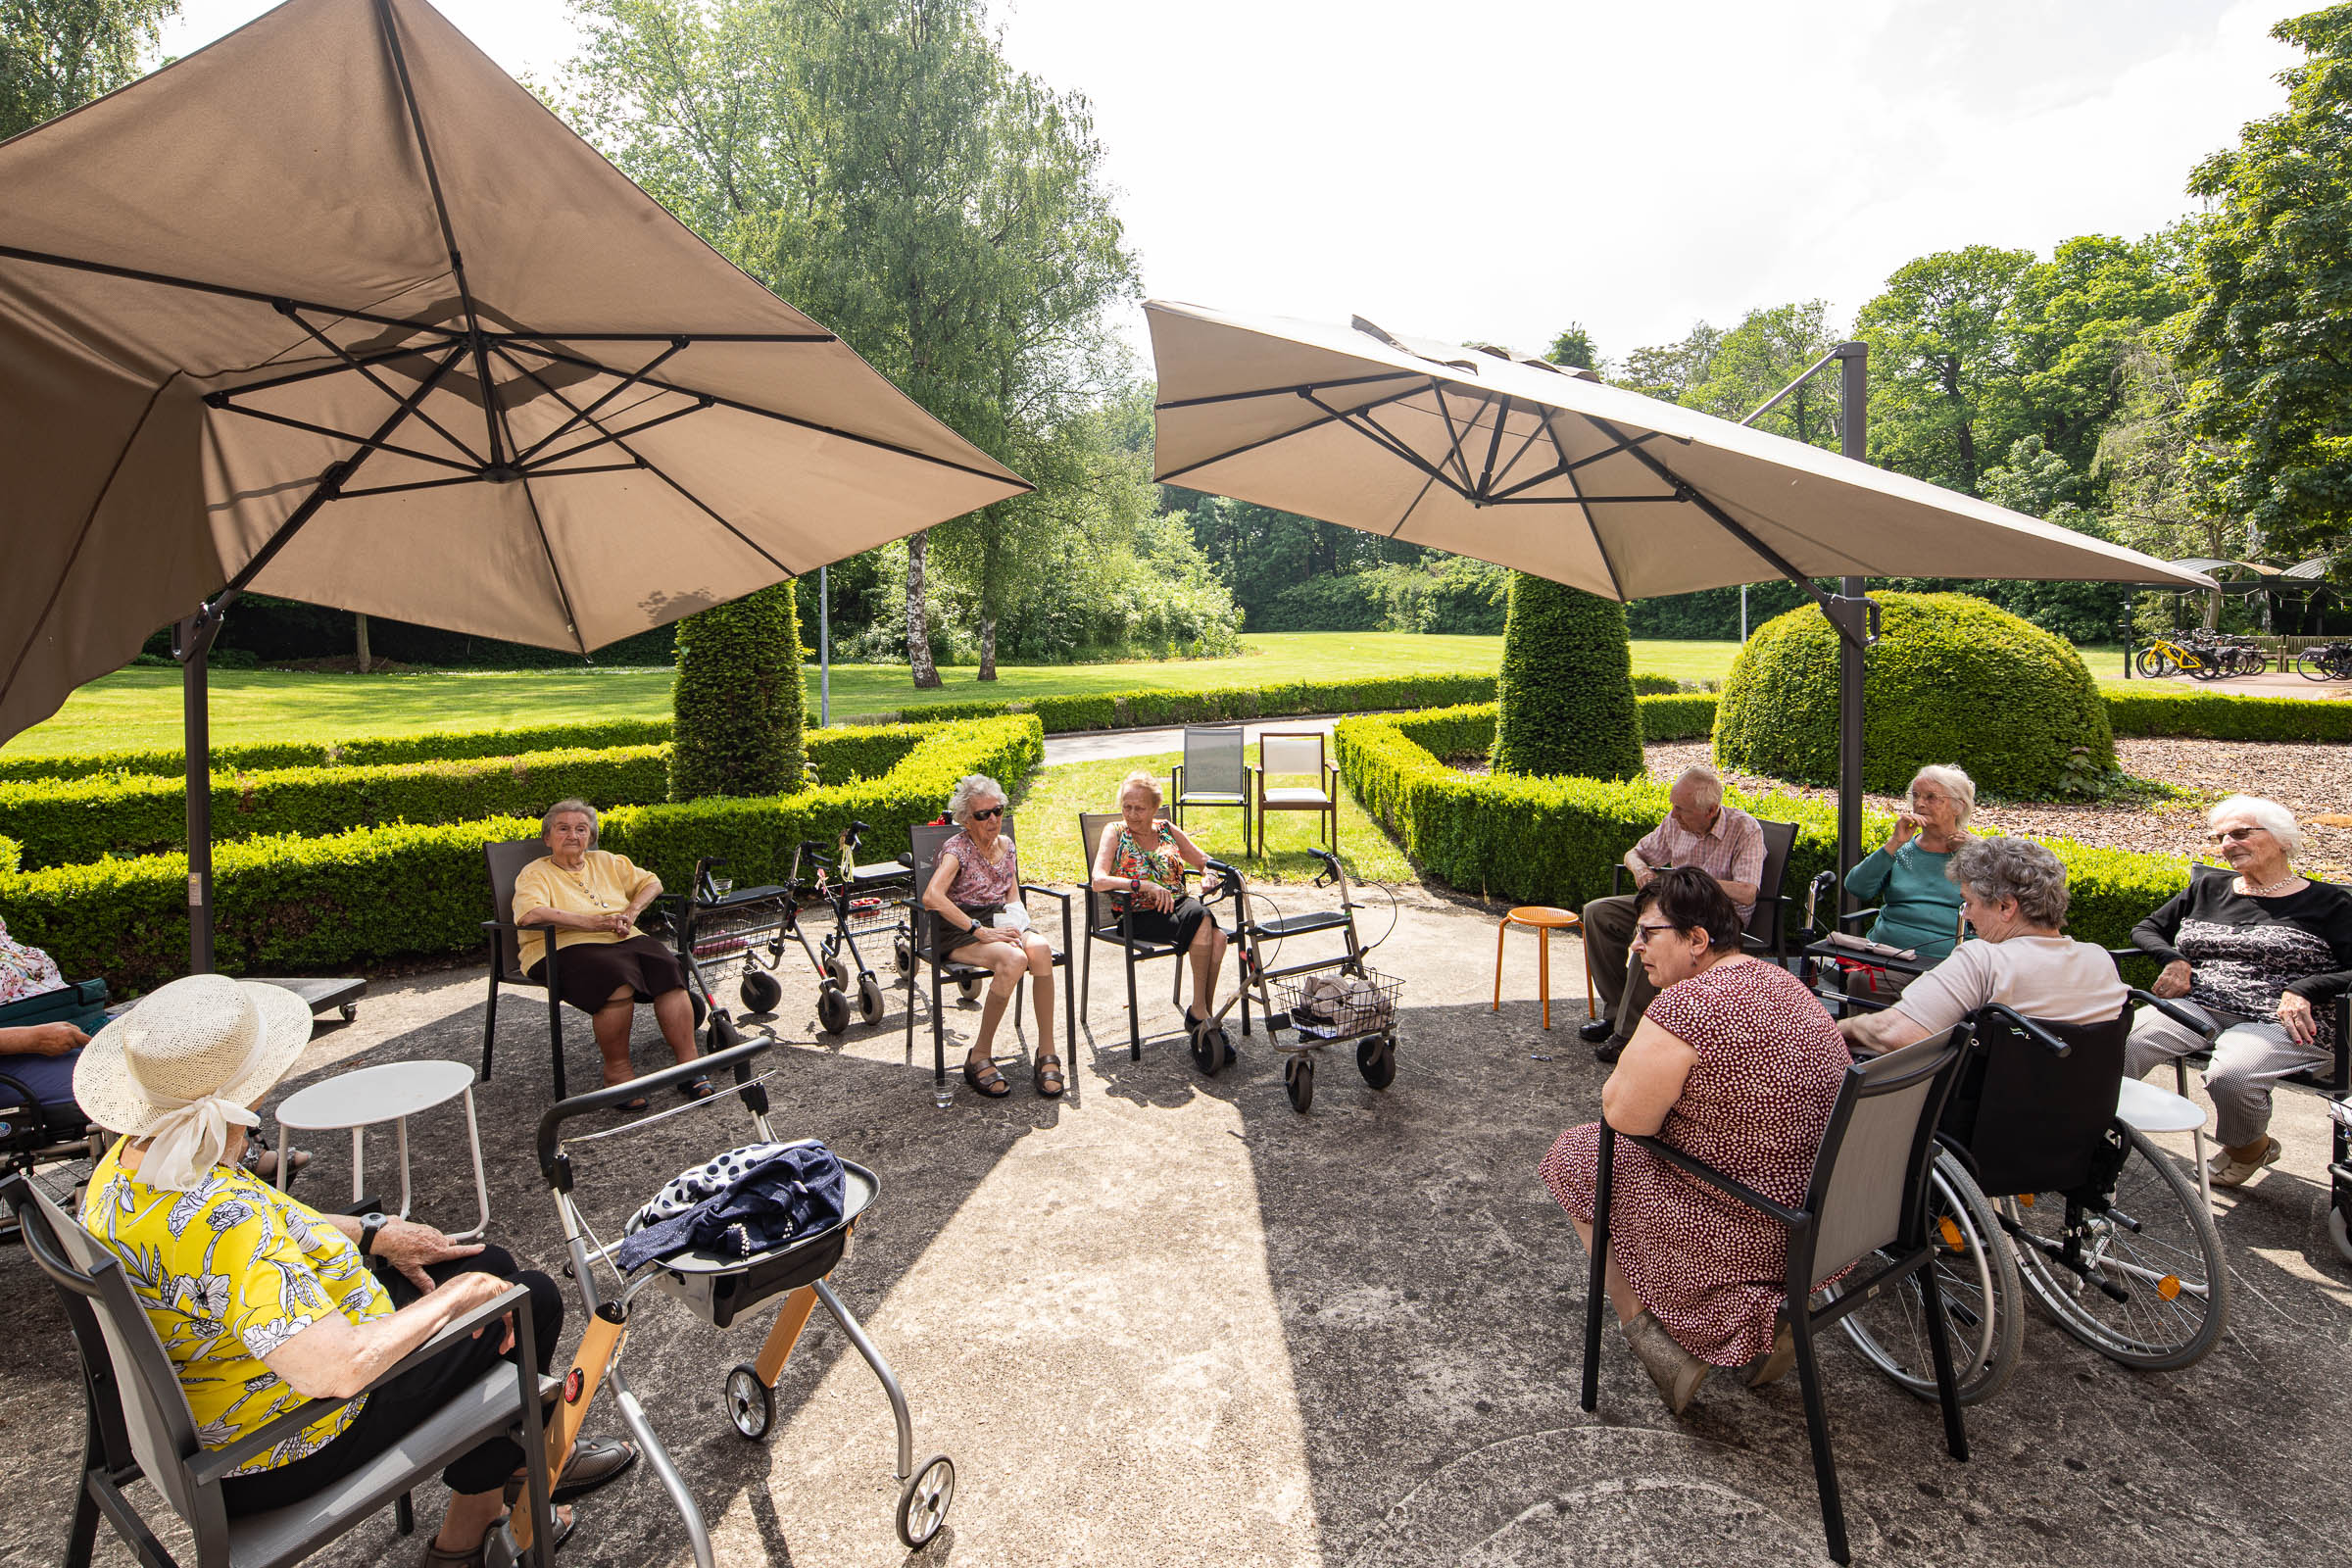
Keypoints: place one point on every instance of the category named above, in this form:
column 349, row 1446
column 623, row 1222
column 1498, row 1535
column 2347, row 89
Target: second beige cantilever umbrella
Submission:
column 334, row 309
column 1531, row 467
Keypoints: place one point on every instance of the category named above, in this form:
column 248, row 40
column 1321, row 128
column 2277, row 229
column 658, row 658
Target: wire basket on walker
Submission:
column 718, row 1287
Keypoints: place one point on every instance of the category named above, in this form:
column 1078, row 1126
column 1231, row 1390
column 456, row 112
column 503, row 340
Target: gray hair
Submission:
column 547, row 823
column 2269, row 816
column 1997, row 868
column 1140, row 780
column 1710, row 781
column 1953, row 782
column 968, row 789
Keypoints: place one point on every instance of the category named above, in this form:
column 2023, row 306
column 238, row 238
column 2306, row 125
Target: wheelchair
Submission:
column 43, row 1133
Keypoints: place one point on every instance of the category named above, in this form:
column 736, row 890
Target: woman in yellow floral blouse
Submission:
column 261, row 1303
column 1139, row 862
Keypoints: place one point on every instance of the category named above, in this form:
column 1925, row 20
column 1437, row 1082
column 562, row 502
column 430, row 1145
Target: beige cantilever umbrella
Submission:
column 1523, row 463
column 337, row 309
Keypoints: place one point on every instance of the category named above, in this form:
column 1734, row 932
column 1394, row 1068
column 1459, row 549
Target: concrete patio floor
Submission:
column 1167, row 1320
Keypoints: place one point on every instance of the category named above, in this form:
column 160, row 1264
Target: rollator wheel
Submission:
column 760, row 991
column 832, row 1010
column 968, row 987
column 925, row 1500
column 869, row 999
column 2340, row 1234
column 1298, row 1079
column 902, row 955
column 1376, row 1060
column 837, row 970
column 702, row 1008
column 751, row 1404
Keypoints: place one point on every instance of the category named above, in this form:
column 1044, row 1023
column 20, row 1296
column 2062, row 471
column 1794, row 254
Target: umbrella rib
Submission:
column 351, row 363
column 755, row 409
column 1592, row 524
column 1486, row 477
column 651, row 468
column 194, row 285
column 81, row 535
column 293, row 315
column 1306, row 393
column 547, row 548
column 627, row 381
column 1564, row 465
column 1453, row 436
column 449, row 239
column 470, row 471
column 1524, row 448
column 1284, row 391
column 1408, row 517
column 614, row 438
column 1364, row 424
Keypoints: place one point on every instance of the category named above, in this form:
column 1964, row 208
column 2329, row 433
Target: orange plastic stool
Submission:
column 1544, row 920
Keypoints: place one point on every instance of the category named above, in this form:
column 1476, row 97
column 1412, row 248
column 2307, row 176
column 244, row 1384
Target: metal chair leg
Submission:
column 490, row 1020
column 555, row 1030
column 1135, row 1025
column 1948, row 1382
column 1817, row 1434
column 1596, row 1286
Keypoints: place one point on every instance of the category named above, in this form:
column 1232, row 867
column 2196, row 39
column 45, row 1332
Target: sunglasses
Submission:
column 1644, row 933
column 2234, row 835
column 984, row 814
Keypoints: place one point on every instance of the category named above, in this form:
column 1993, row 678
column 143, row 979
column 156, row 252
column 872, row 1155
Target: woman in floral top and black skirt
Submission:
column 2263, row 952
column 1141, row 861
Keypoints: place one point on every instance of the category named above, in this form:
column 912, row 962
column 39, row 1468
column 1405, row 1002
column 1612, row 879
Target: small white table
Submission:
column 2149, row 1109
column 392, row 1092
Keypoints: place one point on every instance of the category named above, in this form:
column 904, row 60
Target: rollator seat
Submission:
column 720, row 1286
column 1290, row 925
column 887, row 871
column 735, row 895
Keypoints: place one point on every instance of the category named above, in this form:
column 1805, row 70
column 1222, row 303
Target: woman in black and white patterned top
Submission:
column 2260, row 950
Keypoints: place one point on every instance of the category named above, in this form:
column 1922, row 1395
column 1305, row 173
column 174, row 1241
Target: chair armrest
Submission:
column 1176, row 781
column 1059, row 897
column 1617, row 875
column 2203, row 1027
column 1736, row 1191
column 215, row 1464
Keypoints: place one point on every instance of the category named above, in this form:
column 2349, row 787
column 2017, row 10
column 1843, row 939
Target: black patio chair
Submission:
column 1107, row 922
column 1767, row 930
column 1867, row 1195
column 505, row 862
column 925, row 926
column 1214, row 773
column 137, row 1424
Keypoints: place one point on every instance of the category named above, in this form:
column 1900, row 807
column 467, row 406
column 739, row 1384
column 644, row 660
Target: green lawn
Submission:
column 140, row 706
column 1048, row 803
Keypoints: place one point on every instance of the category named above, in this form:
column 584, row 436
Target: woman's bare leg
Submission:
column 674, row 1011
column 1620, row 1290
column 1038, row 954
column 1006, row 964
column 611, row 1025
column 1208, row 955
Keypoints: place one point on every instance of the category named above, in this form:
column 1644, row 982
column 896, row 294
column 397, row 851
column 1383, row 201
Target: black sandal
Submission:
column 984, row 1077
column 1049, row 1066
column 697, row 1089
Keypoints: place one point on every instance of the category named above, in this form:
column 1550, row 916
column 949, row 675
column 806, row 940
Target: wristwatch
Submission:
column 369, row 1224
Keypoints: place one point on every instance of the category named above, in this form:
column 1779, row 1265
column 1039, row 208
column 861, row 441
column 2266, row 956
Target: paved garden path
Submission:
column 1168, row 1322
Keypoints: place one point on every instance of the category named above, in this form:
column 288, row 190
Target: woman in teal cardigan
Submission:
column 1919, row 906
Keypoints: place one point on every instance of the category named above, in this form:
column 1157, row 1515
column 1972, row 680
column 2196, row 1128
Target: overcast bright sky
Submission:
column 1491, row 170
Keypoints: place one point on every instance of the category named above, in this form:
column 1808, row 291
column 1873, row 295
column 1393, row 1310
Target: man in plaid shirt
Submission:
column 1701, row 831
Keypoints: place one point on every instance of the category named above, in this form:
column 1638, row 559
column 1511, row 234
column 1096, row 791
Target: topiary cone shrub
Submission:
column 1566, row 687
column 1952, row 679
column 737, row 698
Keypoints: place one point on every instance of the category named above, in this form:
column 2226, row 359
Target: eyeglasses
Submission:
column 2234, row 835
column 986, row 812
column 1644, row 933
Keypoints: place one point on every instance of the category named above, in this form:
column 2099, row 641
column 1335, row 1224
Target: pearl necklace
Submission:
column 581, row 882
column 2266, row 892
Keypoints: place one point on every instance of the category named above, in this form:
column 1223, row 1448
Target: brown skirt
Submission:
column 587, row 973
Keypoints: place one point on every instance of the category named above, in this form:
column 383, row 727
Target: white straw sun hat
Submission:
column 185, row 1063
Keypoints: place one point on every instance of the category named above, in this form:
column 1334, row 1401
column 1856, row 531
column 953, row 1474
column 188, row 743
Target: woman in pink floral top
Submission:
column 973, row 890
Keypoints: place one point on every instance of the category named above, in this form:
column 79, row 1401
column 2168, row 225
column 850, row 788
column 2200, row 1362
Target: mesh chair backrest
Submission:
column 1778, row 839
column 1092, row 825
column 1212, row 759
column 1874, row 1155
column 506, row 862
column 155, row 1411
column 1291, row 753
column 2033, row 1121
column 926, row 839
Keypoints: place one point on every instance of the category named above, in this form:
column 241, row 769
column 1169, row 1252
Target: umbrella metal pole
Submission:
column 1853, row 442
column 824, row 648
column 192, row 644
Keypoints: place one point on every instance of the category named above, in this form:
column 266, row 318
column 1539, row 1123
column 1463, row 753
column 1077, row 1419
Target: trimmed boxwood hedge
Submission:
column 435, row 746
column 1951, row 679
column 2150, row 709
column 292, row 902
column 1553, row 840
column 1565, row 689
column 62, row 822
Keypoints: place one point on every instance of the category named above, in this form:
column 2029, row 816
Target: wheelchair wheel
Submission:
column 832, row 1010
column 869, row 999
column 2140, row 1279
column 759, row 991
column 1977, row 1283
column 925, row 1500
column 751, row 1404
column 1299, row 1080
column 1211, row 1050
column 1376, row 1060
column 702, row 1007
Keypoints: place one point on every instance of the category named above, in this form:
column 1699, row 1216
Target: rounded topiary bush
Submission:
column 1566, row 686
column 1952, row 679
column 737, row 698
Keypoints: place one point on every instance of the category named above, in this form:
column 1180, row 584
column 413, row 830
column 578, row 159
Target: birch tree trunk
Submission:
column 992, row 567
column 918, row 614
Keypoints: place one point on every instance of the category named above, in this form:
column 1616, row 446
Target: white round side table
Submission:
column 391, row 1092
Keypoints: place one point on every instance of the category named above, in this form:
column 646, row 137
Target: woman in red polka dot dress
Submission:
column 1736, row 1064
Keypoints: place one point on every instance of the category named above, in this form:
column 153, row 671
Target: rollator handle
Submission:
column 1331, row 867
column 739, row 1057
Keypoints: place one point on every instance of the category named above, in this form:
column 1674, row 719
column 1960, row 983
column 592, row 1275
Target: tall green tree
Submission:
column 1574, row 347
column 1566, row 687
column 1942, row 405
column 879, row 164
column 1769, row 349
column 57, row 55
column 1670, row 369
column 2269, row 341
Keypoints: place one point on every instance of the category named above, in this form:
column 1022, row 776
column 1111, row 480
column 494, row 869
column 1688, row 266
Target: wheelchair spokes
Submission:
column 1975, row 1277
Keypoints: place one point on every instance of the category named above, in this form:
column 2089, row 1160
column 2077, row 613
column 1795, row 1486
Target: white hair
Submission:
column 1140, row 780
column 547, row 823
column 1953, row 782
column 2269, row 816
column 971, row 788
column 1709, row 782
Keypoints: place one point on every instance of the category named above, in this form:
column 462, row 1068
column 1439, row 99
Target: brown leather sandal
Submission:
column 1050, row 1067
column 983, row 1076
